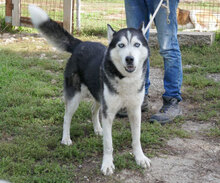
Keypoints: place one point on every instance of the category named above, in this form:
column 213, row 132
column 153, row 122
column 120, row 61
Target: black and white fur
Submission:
column 114, row 75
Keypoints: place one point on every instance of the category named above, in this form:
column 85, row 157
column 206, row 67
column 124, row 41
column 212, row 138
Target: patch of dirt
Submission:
column 7, row 38
column 194, row 160
column 215, row 77
column 156, row 89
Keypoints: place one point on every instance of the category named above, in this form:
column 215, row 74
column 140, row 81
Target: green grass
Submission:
column 203, row 92
column 31, row 117
column 32, row 109
column 199, row 86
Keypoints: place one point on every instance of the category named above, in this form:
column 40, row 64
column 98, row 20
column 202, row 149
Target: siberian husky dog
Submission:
column 114, row 75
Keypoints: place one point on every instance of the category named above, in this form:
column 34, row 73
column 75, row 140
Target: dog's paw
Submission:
column 143, row 161
column 67, row 142
column 98, row 131
column 108, row 168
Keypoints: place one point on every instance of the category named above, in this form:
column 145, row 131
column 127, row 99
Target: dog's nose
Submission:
column 129, row 60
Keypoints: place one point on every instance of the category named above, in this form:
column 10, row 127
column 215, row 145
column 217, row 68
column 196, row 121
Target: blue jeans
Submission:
column 138, row 11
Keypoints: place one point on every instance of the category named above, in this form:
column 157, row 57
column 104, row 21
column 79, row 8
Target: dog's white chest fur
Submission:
column 128, row 92
column 128, row 86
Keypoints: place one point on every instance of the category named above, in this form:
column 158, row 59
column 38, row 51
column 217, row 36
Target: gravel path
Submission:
column 194, row 160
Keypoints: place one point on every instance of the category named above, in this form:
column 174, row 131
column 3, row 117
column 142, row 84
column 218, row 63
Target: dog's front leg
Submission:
column 107, row 162
column 135, row 122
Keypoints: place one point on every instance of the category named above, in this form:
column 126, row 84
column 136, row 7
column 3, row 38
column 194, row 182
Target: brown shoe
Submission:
column 144, row 107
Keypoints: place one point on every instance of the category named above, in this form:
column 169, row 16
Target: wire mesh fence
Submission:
column 204, row 15
column 2, row 8
column 199, row 15
column 53, row 7
column 96, row 14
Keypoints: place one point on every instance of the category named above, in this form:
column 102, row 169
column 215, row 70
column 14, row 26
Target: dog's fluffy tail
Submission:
column 53, row 32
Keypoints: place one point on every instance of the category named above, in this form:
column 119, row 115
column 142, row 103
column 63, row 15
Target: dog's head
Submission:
column 128, row 49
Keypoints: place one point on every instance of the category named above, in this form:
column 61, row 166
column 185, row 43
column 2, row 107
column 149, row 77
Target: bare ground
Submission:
column 190, row 160
column 193, row 160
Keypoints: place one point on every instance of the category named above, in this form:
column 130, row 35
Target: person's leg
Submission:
column 170, row 51
column 137, row 12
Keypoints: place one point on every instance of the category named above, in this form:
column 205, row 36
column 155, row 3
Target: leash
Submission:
column 155, row 13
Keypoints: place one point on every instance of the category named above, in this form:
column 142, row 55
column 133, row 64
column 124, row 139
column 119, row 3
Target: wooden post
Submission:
column 67, row 15
column 16, row 12
column 8, row 11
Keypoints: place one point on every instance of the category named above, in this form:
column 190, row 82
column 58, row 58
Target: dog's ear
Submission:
column 110, row 33
column 142, row 28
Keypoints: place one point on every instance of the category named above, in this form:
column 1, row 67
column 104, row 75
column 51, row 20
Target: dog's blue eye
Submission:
column 121, row 45
column 137, row 45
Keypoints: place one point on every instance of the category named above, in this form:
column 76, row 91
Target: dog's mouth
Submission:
column 130, row 68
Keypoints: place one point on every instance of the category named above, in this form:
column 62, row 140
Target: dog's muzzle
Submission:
column 130, row 64
column 130, row 68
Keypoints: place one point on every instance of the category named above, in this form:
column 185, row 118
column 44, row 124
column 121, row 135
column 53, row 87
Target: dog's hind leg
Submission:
column 134, row 115
column 95, row 118
column 70, row 108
